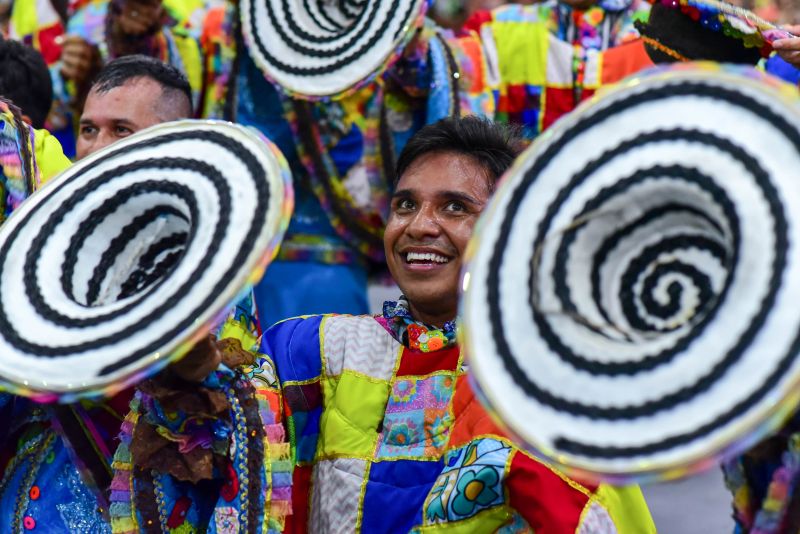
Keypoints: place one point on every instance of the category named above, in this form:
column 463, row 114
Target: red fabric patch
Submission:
column 178, row 515
column 558, row 102
column 416, row 363
column 476, row 20
column 47, row 43
column 624, row 60
column 517, row 98
column 547, row 502
column 471, row 418
column 297, row 522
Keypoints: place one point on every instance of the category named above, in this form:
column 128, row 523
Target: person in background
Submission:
column 553, row 55
column 55, row 460
column 131, row 93
column 25, row 81
column 99, row 31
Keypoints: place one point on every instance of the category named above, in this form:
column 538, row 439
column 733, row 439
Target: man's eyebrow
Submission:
column 403, row 193
column 446, row 195
column 459, row 195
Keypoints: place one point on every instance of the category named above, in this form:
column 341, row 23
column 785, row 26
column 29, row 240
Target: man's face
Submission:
column 116, row 114
column 437, row 201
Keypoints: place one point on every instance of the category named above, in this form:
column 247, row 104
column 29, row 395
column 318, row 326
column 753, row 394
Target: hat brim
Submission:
column 630, row 294
column 117, row 266
column 312, row 50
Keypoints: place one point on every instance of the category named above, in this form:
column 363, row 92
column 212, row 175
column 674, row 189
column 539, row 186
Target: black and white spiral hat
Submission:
column 120, row 263
column 631, row 305
column 323, row 48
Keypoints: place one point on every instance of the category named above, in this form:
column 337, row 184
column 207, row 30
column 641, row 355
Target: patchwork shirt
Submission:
column 389, row 439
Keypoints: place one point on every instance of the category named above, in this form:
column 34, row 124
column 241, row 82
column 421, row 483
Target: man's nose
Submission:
column 103, row 140
column 424, row 223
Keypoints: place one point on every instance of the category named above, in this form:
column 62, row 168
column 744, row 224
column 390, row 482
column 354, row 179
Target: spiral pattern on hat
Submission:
column 128, row 253
column 321, row 48
column 632, row 287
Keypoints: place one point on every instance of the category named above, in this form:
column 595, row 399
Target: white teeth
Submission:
column 428, row 256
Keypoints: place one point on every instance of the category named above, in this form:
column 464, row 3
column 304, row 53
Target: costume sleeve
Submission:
column 294, row 346
column 182, row 441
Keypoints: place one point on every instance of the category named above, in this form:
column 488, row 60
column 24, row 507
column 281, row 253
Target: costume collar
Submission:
column 415, row 334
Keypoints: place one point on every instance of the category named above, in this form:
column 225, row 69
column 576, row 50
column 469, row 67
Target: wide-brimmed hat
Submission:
column 326, row 48
column 118, row 265
column 631, row 293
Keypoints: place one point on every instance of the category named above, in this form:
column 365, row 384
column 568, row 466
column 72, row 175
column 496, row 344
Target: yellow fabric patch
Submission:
column 522, row 52
column 23, row 18
column 488, row 520
column 353, row 409
column 233, row 329
column 192, row 61
column 627, row 508
column 49, row 155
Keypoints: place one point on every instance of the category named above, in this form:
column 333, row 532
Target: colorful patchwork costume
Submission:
column 342, row 154
column 388, row 438
column 56, row 461
column 548, row 58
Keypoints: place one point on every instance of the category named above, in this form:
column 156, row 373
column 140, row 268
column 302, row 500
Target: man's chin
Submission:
column 431, row 301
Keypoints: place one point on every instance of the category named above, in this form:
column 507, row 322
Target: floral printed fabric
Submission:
column 417, row 419
column 470, row 482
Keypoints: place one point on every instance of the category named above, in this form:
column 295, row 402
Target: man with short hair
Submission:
column 131, row 93
column 386, row 433
column 55, row 461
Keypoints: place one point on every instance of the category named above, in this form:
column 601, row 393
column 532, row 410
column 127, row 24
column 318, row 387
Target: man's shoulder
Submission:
column 311, row 330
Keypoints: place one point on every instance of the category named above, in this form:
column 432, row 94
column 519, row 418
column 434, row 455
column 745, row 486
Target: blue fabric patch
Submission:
column 293, row 346
column 306, row 429
column 395, row 493
column 777, row 66
column 348, row 151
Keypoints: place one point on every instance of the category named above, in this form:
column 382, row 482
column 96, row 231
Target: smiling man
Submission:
column 130, row 94
column 386, row 433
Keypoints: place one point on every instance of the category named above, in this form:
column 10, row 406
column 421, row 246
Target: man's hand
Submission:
column 79, row 59
column 139, row 17
column 199, row 362
column 789, row 49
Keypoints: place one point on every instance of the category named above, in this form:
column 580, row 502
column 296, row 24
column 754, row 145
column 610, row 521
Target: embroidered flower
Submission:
column 226, row 520
column 230, row 489
column 475, row 489
column 177, row 516
column 413, row 334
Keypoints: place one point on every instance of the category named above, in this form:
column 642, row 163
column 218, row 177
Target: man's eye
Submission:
column 405, row 204
column 122, row 131
column 455, row 206
column 88, row 130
